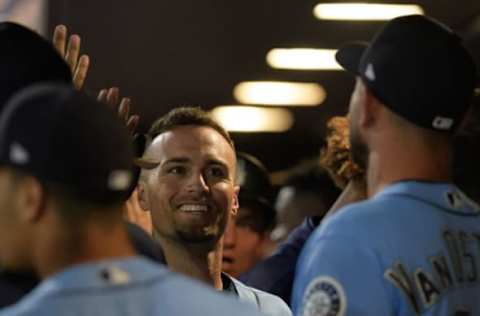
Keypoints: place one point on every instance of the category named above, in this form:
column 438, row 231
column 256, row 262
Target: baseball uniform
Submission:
column 133, row 286
column 266, row 303
column 412, row 249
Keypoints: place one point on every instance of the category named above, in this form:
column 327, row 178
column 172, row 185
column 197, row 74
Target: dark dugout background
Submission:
column 165, row 54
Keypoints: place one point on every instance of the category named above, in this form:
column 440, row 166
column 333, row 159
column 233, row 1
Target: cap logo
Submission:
column 443, row 123
column 18, row 154
column 119, row 180
column 370, row 72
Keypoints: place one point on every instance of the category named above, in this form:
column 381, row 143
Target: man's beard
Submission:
column 358, row 148
column 207, row 235
column 196, row 238
column 185, row 237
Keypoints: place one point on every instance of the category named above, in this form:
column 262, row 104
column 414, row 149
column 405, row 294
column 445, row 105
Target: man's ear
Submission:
column 33, row 199
column 143, row 196
column 235, row 203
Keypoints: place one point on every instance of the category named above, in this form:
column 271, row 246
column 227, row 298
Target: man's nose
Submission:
column 197, row 183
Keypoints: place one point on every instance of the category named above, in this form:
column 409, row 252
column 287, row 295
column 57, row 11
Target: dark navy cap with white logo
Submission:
column 418, row 68
column 64, row 137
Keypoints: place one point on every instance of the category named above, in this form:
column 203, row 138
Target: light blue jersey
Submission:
column 135, row 286
column 413, row 249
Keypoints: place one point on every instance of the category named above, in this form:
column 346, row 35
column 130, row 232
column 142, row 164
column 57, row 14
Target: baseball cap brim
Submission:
column 350, row 55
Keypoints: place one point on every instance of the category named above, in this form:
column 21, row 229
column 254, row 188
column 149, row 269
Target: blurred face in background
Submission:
column 244, row 244
column 293, row 206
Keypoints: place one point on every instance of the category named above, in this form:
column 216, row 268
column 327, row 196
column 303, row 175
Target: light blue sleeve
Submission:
column 338, row 275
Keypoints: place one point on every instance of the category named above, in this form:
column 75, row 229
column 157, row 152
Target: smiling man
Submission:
column 188, row 184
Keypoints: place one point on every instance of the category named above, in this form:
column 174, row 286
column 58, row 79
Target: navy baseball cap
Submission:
column 27, row 58
column 253, row 179
column 255, row 189
column 62, row 136
column 418, row 68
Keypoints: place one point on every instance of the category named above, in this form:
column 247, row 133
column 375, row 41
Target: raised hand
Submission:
column 70, row 52
column 111, row 97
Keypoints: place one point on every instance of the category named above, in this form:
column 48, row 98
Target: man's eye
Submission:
column 176, row 170
column 216, row 172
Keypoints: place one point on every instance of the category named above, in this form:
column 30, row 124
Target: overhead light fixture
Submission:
column 279, row 93
column 303, row 59
column 253, row 119
column 364, row 11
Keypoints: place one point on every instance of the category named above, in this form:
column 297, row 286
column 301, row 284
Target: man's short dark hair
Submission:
column 256, row 216
column 184, row 116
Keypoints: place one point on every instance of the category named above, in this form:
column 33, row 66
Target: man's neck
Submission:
column 197, row 261
column 390, row 165
column 92, row 243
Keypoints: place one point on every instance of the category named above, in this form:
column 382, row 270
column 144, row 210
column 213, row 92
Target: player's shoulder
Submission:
column 356, row 214
column 267, row 303
column 360, row 219
column 157, row 288
column 203, row 299
column 36, row 305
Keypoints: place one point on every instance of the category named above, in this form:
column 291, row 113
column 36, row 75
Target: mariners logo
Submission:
column 324, row 297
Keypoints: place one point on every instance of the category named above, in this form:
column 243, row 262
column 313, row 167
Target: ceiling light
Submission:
column 279, row 93
column 253, row 119
column 364, row 11
column 303, row 59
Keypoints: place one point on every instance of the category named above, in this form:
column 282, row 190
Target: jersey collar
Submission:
column 443, row 195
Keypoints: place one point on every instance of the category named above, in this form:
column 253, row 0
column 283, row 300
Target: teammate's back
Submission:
column 411, row 250
column 133, row 286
